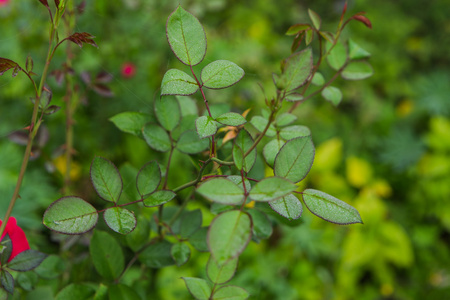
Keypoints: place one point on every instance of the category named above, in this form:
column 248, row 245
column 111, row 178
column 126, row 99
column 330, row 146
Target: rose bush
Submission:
column 17, row 236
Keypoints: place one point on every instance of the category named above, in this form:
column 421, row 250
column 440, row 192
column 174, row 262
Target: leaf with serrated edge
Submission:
column 198, row 287
column 288, row 206
column 260, row 123
column 158, row 198
column 330, row 208
column 186, row 37
column 222, row 190
column 167, row 111
column 357, row 70
column 230, row 292
column 297, row 70
column 70, row 215
column 148, row 178
column 26, row 260
column 120, row 220
column 106, row 179
column 190, row 143
column 106, row 255
column 206, row 126
column 315, row 18
column 176, row 82
column 221, row 74
column 180, row 253
column 294, row 131
column 231, row 119
column 271, row 188
column 271, row 150
column 156, row 137
column 242, row 143
column 221, row 274
column 295, row 159
column 130, row 122
column 229, row 235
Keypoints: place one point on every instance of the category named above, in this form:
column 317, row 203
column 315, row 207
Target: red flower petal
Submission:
column 17, row 236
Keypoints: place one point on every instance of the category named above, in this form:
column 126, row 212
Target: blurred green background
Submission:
column 385, row 149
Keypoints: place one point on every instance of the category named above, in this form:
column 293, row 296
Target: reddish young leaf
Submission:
column 51, row 109
column 360, row 18
column 297, row 41
column 6, row 64
column 44, row 2
column 80, row 38
column 102, row 90
column 103, row 77
column 81, row 7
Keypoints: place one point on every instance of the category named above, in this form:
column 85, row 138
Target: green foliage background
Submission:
column 385, row 149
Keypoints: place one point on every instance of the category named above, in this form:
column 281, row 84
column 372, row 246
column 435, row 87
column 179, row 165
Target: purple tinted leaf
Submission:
column 102, row 90
column 297, row 41
column 57, row 3
column 297, row 28
column 6, row 64
column 16, row 71
column 29, row 64
column 19, row 137
column 81, row 7
column 52, row 109
column 59, row 76
column 83, row 37
column 86, row 77
column 44, row 2
column 46, row 97
column 360, row 18
column 103, row 77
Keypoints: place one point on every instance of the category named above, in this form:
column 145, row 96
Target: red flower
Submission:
column 3, row 2
column 128, row 70
column 17, row 236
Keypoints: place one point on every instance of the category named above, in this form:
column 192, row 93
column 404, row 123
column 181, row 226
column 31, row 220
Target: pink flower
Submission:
column 4, row 2
column 128, row 70
column 16, row 234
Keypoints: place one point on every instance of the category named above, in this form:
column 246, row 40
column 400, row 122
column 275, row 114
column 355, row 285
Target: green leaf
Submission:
column 221, row 74
column 332, row 94
column 297, row 69
column 231, row 119
column 140, row 235
column 315, row 18
column 230, row 292
column 262, row 227
column 221, row 190
column 158, row 198
column 228, row 235
column 76, row 291
column 198, row 239
column 190, row 143
column 26, row 260
column 271, row 150
column 237, row 179
column 260, row 123
column 242, row 143
column 288, row 206
column 148, row 178
column 355, row 51
column 157, row 255
column 294, row 131
column 120, row 219
column 186, row 37
column 107, row 255
column 27, row 280
column 285, row 119
column 180, row 253
column 190, row 222
column 188, row 106
column 5, row 249
column 52, row 267
column 3, row 293
column 70, row 215
column 206, row 126
column 220, row 274
column 309, row 36
column 122, row 292
column 271, row 188
column 176, row 82
column 337, row 57
column 295, row 159
column 101, row 293
column 294, row 97
column 106, row 179
column 357, row 70
column 157, row 138
column 330, row 208
column 198, row 288
column 318, row 79
column 167, row 111
column 294, row 29
column 7, row 281
column 131, row 122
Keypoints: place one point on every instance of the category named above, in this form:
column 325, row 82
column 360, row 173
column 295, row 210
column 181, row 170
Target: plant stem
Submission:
column 260, row 137
column 32, row 133
column 197, row 180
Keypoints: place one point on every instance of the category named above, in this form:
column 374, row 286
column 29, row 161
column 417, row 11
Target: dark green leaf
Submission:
column 230, row 292
column 176, row 82
column 221, row 74
column 295, row 159
column 221, row 274
column 5, row 249
column 122, row 292
column 332, row 94
column 231, row 119
column 190, row 143
column 297, row 70
column 190, row 222
column 29, row 64
column 158, row 198
column 131, row 122
column 271, row 150
column 70, row 215
column 262, row 227
column 157, row 255
column 260, row 123
column 188, row 106
column 26, row 260
column 106, row 179
column 7, row 281
column 294, row 29
column 330, row 208
column 107, row 255
column 357, row 70
column 156, row 137
column 27, row 280
column 52, row 267
column 228, row 235
column 242, row 143
column 288, row 206
column 180, row 253
column 186, row 37
column 198, row 239
column 167, row 111
column 198, row 288
column 120, row 219
column 206, row 126
column 271, row 188
column 221, row 190
column 140, row 235
column 76, row 291
column 148, row 178
column 238, row 180
column 294, row 131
